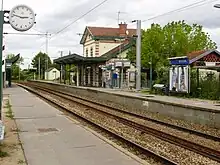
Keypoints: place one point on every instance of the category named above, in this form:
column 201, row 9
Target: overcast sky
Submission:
column 53, row 15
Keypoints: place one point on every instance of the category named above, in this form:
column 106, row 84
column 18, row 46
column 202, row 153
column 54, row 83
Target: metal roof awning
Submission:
column 77, row 59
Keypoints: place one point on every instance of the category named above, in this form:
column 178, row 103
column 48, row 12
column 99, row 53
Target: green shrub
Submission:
column 208, row 87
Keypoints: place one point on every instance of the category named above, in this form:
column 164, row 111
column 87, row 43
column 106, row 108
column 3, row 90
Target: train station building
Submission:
column 104, row 61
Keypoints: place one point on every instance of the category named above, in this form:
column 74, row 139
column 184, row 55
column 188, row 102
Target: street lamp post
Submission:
column 39, row 68
column 19, row 72
column 122, row 62
column 138, row 55
column 150, row 73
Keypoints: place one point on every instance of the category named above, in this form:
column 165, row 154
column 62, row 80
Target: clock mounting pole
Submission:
column 1, row 44
column 9, row 20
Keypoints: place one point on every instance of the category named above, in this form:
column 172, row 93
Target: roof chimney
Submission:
column 122, row 29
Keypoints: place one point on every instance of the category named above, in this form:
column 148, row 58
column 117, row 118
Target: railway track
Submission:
column 200, row 149
column 187, row 130
column 158, row 158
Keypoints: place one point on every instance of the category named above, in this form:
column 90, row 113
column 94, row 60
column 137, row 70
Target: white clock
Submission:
column 22, row 18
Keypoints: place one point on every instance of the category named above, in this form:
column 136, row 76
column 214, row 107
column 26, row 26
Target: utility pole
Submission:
column 119, row 16
column 19, row 76
column 46, row 42
column 119, row 13
column 46, row 60
column 151, row 73
column 61, row 74
column 39, row 68
column 122, row 62
column 122, row 67
column 138, row 56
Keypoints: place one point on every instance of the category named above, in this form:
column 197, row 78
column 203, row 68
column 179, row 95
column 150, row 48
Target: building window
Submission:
column 91, row 51
column 87, row 52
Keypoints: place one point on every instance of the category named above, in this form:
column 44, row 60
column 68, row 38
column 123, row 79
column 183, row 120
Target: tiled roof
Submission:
column 195, row 54
column 104, row 31
column 49, row 69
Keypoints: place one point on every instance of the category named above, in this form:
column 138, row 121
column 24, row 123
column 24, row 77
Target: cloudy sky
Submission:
column 53, row 15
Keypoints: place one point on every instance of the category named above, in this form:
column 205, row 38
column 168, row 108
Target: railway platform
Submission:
column 192, row 102
column 202, row 112
column 51, row 138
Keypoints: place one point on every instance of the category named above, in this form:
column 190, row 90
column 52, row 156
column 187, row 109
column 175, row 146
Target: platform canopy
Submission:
column 77, row 59
column 205, row 59
column 11, row 61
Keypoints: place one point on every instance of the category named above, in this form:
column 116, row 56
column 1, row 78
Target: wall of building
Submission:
column 52, row 75
column 203, row 73
column 105, row 46
column 99, row 47
column 88, row 45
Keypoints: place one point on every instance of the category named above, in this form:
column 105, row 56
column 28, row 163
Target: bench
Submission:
column 161, row 88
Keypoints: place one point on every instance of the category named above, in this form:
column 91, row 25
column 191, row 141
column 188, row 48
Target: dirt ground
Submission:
column 11, row 152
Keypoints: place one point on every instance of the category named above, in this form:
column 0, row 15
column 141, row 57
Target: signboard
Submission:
column 2, row 131
column 118, row 64
column 179, row 79
column 183, row 79
column 8, row 65
column 174, row 79
column 132, row 76
column 127, row 64
column 179, row 61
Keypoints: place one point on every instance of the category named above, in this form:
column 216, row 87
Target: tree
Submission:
column 172, row 40
column 45, row 62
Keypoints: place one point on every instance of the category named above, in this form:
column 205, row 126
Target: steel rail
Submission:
column 191, row 131
column 143, row 150
column 195, row 147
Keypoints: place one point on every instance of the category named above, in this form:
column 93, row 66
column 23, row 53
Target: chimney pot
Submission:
column 122, row 29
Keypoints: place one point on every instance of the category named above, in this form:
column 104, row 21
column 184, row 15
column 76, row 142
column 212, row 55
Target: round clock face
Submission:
column 22, row 18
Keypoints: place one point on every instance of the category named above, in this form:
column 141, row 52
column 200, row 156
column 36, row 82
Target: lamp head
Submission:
column 217, row 5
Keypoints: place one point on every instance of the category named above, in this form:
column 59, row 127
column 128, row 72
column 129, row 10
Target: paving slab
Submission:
column 50, row 138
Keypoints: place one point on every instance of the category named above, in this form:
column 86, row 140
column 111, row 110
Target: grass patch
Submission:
column 20, row 143
column 9, row 113
column 15, row 130
column 3, row 145
column 21, row 161
column 3, row 154
column 145, row 91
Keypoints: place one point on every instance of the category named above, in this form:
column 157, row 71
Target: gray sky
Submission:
column 53, row 15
